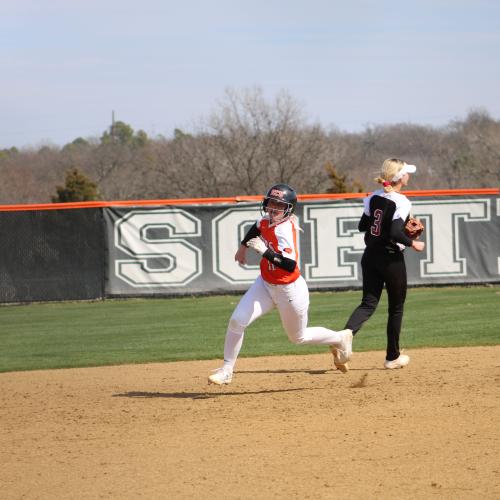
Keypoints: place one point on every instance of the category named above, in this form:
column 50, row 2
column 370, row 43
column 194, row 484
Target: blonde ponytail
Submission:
column 389, row 170
column 386, row 185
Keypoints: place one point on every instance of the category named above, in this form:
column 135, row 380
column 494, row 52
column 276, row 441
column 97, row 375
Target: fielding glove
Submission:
column 414, row 228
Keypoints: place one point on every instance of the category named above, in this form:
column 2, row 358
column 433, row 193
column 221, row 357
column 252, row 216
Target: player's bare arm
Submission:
column 241, row 254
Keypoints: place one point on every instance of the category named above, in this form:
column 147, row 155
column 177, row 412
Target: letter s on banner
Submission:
column 162, row 259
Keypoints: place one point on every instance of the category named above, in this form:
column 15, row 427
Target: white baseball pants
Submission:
column 292, row 301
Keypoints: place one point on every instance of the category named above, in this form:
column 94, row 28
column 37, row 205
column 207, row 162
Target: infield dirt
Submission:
column 287, row 427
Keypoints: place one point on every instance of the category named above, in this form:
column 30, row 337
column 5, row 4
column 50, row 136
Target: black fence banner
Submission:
column 189, row 249
column 50, row 255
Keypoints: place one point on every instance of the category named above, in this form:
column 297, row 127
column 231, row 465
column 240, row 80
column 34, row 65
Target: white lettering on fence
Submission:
column 156, row 241
column 228, row 229
column 335, row 241
column 442, row 220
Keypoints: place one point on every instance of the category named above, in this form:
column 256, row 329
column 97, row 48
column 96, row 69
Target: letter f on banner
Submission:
column 335, row 241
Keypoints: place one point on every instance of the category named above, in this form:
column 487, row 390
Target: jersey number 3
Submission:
column 377, row 222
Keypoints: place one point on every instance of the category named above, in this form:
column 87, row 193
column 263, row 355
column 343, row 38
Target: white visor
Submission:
column 407, row 169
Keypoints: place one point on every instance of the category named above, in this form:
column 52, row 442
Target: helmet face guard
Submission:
column 284, row 200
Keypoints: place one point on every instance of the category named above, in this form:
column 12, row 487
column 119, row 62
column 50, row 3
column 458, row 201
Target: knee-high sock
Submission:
column 320, row 336
column 232, row 347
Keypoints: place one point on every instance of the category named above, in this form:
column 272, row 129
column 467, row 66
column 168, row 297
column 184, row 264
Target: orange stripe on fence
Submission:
column 231, row 200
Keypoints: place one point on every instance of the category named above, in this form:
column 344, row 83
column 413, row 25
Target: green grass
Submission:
column 61, row 335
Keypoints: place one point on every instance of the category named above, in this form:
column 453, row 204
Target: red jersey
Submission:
column 282, row 239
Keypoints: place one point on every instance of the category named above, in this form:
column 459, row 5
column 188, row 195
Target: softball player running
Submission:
column 279, row 285
column 384, row 216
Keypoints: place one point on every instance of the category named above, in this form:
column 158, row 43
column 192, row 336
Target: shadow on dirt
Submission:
column 310, row 372
column 204, row 395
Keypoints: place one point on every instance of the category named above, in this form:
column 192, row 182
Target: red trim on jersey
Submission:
column 270, row 272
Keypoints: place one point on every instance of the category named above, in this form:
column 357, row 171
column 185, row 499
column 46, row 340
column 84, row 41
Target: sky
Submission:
column 66, row 66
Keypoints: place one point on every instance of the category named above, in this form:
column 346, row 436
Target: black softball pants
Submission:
column 379, row 268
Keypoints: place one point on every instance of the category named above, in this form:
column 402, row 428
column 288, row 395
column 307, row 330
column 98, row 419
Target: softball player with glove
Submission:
column 383, row 221
column 280, row 285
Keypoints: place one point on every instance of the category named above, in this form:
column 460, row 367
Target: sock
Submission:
column 232, row 347
column 321, row 336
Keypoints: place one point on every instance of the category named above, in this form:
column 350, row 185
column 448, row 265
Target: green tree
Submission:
column 339, row 183
column 180, row 134
column 78, row 187
column 140, row 138
column 77, row 144
column 4, row 153
column 80, row 141
column 120, row 132
column 123, row 134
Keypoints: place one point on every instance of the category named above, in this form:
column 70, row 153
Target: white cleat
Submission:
column 400, row 362
column 221, row 376
column 342, row 354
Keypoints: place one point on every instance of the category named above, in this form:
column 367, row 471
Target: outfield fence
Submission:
column 93, row 250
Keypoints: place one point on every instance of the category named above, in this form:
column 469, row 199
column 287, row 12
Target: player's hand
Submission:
column 418, row 245
column 241, row 255
column 258, row 245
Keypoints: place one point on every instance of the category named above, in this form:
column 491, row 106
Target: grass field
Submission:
column 61, row 335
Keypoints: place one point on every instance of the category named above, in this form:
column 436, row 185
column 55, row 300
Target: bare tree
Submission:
column 477, row 157
column 246, row 144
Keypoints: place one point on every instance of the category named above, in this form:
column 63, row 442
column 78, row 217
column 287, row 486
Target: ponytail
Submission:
column 389, row 169
column 387, row 186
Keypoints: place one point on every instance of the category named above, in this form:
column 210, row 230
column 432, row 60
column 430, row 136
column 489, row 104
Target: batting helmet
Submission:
column 282, row 193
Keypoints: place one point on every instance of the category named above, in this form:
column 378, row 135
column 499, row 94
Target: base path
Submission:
column 287, row 427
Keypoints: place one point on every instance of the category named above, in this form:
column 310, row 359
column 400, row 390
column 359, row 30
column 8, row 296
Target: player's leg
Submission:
column 396, row 284
column 292, row 302
column 373, row 284
column 254, row 303
column 293, row 306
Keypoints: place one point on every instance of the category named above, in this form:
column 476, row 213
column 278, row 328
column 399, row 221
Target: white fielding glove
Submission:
column 258, row 245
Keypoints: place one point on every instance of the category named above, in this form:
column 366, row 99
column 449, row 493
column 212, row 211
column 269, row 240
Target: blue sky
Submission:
column 160, row 64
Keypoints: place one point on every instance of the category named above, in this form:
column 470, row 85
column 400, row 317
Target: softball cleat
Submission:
column 221, row 376
column 342, row 354
column 400, row 362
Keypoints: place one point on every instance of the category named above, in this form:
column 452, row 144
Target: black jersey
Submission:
column 383, row 220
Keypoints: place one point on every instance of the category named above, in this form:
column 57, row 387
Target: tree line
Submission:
column 245, row 145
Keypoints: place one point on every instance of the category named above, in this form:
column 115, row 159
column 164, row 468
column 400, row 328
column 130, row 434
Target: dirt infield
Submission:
column 288, row 427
